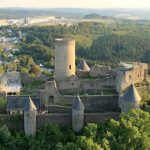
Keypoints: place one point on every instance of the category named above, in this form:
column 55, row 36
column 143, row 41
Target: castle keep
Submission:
column 64, row 58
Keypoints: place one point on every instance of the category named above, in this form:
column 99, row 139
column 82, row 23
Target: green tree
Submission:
column 132, row 131
column 1, row 69
column 35, row 70
column 49, row 135
column 90, row 130
column 3, row 103
column 26, row 61
column 5, row 138
column 87, row 144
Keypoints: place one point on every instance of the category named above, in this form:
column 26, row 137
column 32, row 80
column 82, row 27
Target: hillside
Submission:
column 92, row 16
column 96, row 42
column 96, row 16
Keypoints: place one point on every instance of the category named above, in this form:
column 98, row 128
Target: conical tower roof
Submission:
column 131, row 95
column 77, row 104
column 83, row 65
column 29, row 106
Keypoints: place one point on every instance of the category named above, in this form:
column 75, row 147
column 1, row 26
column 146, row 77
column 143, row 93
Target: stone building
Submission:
column 131, row 99
column 100, row 70
column 15, row 104
column 130, row 73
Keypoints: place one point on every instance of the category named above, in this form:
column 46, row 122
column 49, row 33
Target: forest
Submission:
column 96, row 42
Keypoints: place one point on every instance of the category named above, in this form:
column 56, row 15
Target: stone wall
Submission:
column 82, row 73
column 100, row 117
column 50, row 94
column 65, row 118
column 69, row 83
column 62, row 119
column 59, row 109
column 102, row 102
column 13, row 122
column 99, row 70
column 66, row 109
column 134, row 75
column 86, row 83
column 108, row 82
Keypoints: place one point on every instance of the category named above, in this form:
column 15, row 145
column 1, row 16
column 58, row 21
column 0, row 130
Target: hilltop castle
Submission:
column 104, row 91
column 101, row 88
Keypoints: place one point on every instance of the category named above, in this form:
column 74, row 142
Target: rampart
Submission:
column 102, row 102
column 62, row 119
column 108, row 82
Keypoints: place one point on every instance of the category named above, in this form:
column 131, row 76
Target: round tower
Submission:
column 64, row 58
column 83, row 66
column 77, row 115
column 131, row 99
column 30, row 111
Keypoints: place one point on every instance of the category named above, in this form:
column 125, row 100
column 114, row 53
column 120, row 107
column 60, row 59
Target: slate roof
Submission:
column 18, row 102
column 29, row 106
column 131, row 95
column 83, row 65
column 77, row 104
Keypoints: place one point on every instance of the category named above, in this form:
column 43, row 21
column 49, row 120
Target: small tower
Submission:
column 30, row 111
column 77, row 115
column 83, row 66
column 131, row 99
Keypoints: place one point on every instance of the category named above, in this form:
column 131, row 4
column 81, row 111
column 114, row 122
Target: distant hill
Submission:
column 92, row 16
column 97, row 16
column 10, row 13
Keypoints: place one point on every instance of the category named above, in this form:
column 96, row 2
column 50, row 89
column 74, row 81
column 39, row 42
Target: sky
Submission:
column 76, row 3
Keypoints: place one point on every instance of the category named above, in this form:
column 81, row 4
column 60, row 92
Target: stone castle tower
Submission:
column 64, row 58
column 77, row 115
column 131, row 99
column 83, row 66
column 30, row 111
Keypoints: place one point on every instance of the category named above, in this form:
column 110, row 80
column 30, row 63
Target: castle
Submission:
column 88, row 82
column 104, row 91
column 91, row 84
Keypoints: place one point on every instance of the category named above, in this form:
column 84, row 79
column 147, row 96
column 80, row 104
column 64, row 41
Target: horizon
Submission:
column 84, row 4
column 45, row 8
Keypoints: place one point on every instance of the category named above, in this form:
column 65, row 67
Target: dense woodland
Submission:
column 96, row 42
column 103, row 43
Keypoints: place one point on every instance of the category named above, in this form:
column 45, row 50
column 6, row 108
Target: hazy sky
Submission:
column 77, row 3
